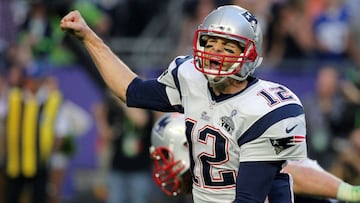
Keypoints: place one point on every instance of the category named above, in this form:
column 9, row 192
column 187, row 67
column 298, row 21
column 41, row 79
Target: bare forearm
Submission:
column 311, row 179
column 115, row 72
column 316, row 183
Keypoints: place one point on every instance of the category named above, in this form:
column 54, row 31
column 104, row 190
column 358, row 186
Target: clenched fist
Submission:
column 75, row 24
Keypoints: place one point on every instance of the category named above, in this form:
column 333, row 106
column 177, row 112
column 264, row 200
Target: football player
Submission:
column 170, row 156
column 237, row 126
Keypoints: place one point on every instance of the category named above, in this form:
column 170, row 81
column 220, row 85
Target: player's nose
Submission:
column 218, row 47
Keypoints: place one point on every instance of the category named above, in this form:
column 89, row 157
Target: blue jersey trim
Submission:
column 261, row 125
column 222, row 97
column 174, row 72
column 149, row 94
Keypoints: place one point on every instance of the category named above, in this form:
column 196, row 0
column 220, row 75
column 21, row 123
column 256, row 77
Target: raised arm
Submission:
column 113, row 70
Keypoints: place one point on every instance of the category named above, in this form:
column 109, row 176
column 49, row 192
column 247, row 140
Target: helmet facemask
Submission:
column 167, row 171
column 218, row 66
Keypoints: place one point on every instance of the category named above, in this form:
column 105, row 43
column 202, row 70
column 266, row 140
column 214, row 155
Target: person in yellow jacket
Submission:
column 34, row 126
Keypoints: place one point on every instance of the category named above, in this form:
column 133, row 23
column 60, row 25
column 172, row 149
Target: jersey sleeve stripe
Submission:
column 261, row 125
column 174, row 73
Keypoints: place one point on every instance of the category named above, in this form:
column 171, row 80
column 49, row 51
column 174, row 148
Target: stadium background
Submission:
column 148, row 34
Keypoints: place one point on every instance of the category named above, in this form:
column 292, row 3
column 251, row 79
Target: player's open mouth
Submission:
column 214, row 64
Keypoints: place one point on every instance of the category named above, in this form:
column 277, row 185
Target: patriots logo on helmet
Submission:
column 251, row 19
column 161, row 125
column 287, row 142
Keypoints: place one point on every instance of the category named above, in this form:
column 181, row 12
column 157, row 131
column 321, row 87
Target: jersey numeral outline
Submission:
column 275, row 95
column 209, row 160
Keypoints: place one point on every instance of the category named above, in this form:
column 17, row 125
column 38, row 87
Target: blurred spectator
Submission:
column 103, row 150
column 35, row 34
column 7, row 28
column 130, row 18
column 15, row 75
column 351, row 89
column 314, row 8
column 354, row 41
column 347, row 164
column 288, row 36
column 3, row 96
column 34, row 128
column 129, row 177
column 119, row 14
column 78, row 123
column 333, row 37
column 325, row 116
column 40, row 38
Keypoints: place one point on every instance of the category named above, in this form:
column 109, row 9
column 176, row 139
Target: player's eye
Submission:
column 229, row 50
column 208, row 46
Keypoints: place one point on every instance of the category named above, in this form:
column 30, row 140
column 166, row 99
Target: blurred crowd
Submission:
column 318, row 39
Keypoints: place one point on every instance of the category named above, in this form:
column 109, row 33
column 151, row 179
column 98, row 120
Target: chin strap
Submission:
column 211, row 79
column 247, row 69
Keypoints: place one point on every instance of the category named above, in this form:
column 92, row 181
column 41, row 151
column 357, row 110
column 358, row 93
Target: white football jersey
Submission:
column 264, row 122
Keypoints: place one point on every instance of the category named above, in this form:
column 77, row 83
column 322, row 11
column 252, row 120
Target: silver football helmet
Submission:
column 234, row 23
column 169, row 152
